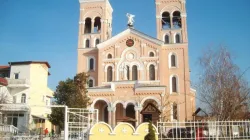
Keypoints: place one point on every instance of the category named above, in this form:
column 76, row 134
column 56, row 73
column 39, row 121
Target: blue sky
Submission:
column 48, row 30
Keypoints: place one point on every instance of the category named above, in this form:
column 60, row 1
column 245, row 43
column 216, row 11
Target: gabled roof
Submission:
column 30, row 62
column 130, row 31
column 152, row 108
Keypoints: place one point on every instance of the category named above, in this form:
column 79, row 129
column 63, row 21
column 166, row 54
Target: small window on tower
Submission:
column 97, row 41
column 177, row 38
column 91, row 83
column 173, row 60
column 87, row 44
column 91, row 64
column 166, row 39
column 174, row 84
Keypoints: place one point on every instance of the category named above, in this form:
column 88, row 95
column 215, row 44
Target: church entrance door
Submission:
column 147, row 117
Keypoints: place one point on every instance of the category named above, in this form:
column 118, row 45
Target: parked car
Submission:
column 177, row 133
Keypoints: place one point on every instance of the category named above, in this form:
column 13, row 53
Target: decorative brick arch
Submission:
column 152, row 63
column 171, row 9
column 117, row 102
column 100, row 99
column 137, row 61
column 129, row 102
column 151, row 98
column 106, row 67
column 89, row 13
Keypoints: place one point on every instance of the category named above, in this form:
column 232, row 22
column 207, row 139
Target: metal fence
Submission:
column 204, row 130
column 80, row 121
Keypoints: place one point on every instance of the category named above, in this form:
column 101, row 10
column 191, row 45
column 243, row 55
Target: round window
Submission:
column 130, row 42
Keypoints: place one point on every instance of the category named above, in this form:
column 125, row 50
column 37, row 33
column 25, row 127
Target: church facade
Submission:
column 134, row 77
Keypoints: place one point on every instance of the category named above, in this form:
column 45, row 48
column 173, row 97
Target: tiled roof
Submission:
column 3, row 82
column 4, row 67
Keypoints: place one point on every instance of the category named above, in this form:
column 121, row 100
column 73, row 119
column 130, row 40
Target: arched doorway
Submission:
column 130, row 114
column 120, row 113
column 102, row 106
column 150, row 111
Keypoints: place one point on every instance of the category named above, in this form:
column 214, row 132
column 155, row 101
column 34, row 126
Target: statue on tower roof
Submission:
column 130, row 20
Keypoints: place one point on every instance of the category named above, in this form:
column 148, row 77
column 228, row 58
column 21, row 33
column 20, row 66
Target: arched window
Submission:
column 166, row 39
column 177, row 38
column 151, row 54
column 165, row 20
column 173, row 60
column 109, row 56
column 174, row 84
column 152, row 72
column 175, row 111
column 91, row 83
column 87, row 44
column 128, row 73
column 97, row 41
column 23, row 98
column 109, row 74
column 91, row 64
column 87, row 27
column 134, row 73
column 97, row 25
column 177, row 19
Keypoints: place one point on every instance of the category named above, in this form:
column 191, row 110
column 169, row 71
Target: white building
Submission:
column 27, row 84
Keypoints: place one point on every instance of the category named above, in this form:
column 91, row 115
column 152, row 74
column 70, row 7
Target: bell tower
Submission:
column 171, row 21
column 95, row 23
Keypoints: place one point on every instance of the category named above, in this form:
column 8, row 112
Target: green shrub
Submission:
column 151, row 132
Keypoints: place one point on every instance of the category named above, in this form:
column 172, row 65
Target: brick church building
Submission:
column 134, row 77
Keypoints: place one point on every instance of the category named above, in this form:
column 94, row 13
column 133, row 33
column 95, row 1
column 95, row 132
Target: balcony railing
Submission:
column 18, row 82
column 8, row 129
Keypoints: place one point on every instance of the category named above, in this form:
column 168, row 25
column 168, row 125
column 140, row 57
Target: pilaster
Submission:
column 112, row 116
column 138, row 115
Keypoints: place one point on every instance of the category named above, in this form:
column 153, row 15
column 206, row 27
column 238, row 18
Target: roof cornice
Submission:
column 128, row 31
column 30, row 62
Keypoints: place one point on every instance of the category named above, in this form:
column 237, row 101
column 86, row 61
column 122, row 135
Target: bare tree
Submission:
column 166, row 108
column 222, row 87
column 169, row 108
